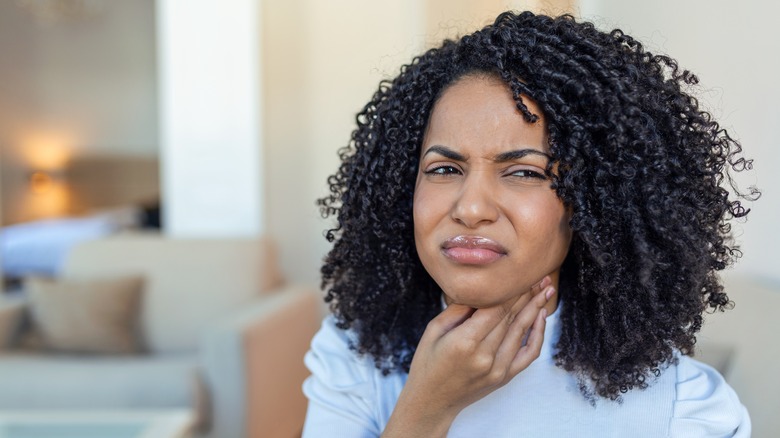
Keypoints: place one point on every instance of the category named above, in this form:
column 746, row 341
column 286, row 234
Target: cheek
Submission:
column 420, row 213
column 543, row 221
column 564, row 228
column 429, row 211
column 559, row 224
column 424, row 211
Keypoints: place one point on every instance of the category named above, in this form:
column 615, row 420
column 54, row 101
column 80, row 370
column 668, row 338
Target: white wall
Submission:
column 211, row 124
column 733, row 47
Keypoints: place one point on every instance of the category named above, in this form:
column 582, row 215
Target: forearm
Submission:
column 414, row 417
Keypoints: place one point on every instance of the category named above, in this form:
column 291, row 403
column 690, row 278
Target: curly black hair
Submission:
column 640, row 164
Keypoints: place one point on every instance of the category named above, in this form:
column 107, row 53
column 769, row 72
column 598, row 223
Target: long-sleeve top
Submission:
column 350, row 398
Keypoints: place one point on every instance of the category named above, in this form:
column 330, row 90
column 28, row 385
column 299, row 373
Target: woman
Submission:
column 530, row 221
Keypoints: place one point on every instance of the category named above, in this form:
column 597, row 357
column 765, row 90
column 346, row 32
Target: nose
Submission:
column 476, row 204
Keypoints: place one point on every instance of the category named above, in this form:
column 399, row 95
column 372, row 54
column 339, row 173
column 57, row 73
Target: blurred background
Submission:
column 230, row 116
column 203, row 119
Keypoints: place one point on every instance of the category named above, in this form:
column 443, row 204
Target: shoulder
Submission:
column 332, row 359
column 346, row 388
column 705, row 405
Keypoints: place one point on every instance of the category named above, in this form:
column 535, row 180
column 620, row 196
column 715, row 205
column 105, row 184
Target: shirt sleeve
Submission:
column 706, row 406
column 340, row 389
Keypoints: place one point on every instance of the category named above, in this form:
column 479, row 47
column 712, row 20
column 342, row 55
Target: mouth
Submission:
column 473, row 250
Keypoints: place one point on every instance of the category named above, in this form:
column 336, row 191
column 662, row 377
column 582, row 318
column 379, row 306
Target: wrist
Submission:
column 418, row 418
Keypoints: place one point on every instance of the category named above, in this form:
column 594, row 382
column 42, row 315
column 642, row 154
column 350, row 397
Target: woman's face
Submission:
column 487, row 225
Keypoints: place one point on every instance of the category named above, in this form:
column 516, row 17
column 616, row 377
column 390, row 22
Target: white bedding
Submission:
column 39, row 247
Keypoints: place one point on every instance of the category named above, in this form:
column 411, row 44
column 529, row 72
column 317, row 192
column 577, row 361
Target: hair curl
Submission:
column 640, row 164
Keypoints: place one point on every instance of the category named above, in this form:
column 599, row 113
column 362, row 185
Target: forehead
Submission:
column 479, row 114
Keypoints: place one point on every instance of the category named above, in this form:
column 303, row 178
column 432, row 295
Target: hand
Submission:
column 465, row 354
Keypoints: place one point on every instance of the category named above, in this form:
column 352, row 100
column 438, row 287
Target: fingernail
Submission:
column 549, row 292
column 544, row 313
column 546, row 281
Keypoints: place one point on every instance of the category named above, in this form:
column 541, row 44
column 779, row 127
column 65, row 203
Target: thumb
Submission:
column 451, row 317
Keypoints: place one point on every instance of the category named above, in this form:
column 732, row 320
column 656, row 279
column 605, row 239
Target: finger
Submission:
column 531, row 350
column 496, row 336
column 451, row 317
column 541, row 285
column 513, row 341
column 489, row 326
column 528, row 313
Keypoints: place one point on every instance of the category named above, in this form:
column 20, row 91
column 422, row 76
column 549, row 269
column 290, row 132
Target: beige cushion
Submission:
column 11, row 319
column 95, row 316
column 189, row 283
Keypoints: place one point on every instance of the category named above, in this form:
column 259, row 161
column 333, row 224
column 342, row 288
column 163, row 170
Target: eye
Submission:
column 527, row 173
column 443, row 170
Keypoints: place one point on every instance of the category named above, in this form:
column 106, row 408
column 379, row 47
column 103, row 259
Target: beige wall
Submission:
column 83, row 83
column 733, row 49
column 453, row 18
column 322, row 62
column 72, row 87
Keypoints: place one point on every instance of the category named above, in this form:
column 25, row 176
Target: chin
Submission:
column 475, row 299
column 476, row 289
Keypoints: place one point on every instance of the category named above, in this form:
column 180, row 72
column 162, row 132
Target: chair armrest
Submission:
column 253, row 364
column 11, row 318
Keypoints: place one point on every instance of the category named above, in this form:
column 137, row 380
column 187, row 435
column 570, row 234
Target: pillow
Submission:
column 86, row 316
column 11, row 318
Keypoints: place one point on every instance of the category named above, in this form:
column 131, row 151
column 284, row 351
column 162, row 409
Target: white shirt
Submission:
column 350, row 398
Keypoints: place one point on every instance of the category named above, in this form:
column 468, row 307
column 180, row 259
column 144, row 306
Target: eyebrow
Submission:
column 519, row 153
column 446, row 152
column 500, row 158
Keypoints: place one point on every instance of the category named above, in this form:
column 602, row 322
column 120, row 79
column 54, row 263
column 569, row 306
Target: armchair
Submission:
column 224, row 336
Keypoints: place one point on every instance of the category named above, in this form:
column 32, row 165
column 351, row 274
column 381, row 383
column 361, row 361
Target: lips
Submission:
column 473, row 250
